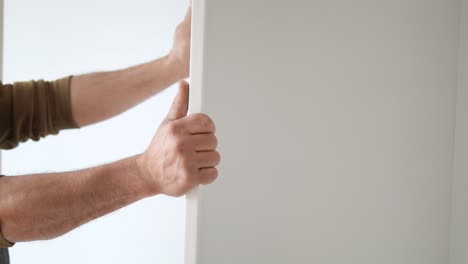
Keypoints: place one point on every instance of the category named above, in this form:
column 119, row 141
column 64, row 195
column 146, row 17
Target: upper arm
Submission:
column 34, row 109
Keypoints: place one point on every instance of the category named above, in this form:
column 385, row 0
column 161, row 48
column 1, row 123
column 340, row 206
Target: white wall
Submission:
column 53, row 38
column 335, row 120
column 459, row 239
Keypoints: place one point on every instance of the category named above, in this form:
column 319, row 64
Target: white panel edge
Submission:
column 196, row 92
column 454, row 245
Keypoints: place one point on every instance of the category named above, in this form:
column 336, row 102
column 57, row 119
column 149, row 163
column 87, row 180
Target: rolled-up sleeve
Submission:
column 33, row 110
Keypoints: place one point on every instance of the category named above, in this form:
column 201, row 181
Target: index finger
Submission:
column 198, row 124
column 188, row 15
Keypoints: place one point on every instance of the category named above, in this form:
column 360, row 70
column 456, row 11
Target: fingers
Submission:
column 207, row 175
column 179, row 106
column 205, row 142
column 207, row 159
column 188, row 15
column 198, row 124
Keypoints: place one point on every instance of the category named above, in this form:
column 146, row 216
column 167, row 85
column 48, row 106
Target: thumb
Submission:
column 179, row 106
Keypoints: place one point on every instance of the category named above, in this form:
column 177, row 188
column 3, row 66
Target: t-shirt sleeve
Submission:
column 33, row 110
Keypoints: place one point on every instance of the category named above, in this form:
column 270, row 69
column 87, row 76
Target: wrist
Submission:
column 163, row 72
column 148, row 187
column 177, row 66
column 142, row 187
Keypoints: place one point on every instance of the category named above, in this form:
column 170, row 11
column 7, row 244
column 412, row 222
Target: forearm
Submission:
column 99, row 96
column 45, row 206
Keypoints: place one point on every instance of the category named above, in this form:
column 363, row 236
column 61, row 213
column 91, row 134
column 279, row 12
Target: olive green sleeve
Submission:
column 33, row 110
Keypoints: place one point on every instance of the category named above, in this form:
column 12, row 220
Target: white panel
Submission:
column 459, row 239
column 335, row 121
column 196, row 91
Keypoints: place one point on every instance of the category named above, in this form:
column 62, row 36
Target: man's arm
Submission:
column 36, row 109
column 45, row 206
column 181, row 155
column 99, row 96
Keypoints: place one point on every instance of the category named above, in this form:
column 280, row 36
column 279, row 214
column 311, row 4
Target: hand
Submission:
column 180, row 53
column 183, row 152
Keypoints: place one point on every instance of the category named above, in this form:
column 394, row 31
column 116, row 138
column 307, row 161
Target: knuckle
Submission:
column 213, row 126
column 199, row 117
column 186, row 163
column 217, row 157
column 215, row 141
column 179, row 145
column 206, row 121
column 209, row 176
column 183, row 146
column 215, row 172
